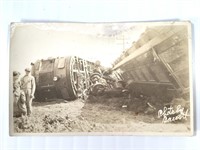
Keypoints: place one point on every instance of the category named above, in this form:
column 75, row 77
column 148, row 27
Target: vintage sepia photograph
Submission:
column 121, row 78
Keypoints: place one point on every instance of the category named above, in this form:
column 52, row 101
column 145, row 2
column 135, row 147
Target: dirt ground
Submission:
column 93, row 115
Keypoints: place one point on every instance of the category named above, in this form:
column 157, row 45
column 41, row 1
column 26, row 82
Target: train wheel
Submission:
column 71, row 77
column 98, row 89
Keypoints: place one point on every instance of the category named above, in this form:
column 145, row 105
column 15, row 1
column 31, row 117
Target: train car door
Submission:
column 46, row 85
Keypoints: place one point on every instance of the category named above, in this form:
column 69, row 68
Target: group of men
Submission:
column 23, row 93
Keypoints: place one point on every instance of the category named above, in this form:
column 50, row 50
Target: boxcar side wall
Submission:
column 157, row 65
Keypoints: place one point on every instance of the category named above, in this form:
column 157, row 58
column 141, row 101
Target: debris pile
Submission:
column 52, row 124
column 141, row 104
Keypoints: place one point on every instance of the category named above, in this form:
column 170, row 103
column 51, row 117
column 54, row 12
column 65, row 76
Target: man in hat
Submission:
column 28, row 86
column 19, row 106
column 97, row 67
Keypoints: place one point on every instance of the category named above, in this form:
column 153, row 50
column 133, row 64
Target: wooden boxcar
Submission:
column 158, row 63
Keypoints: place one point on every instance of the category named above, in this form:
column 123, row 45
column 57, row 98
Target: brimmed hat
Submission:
column 28, row 69
column 15, row 73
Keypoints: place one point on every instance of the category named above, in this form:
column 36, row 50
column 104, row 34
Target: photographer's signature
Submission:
column 169, row 114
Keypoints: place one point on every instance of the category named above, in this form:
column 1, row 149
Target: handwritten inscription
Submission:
column 170, row 114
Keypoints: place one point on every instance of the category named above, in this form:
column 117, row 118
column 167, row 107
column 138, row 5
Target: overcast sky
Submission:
column 104, row 42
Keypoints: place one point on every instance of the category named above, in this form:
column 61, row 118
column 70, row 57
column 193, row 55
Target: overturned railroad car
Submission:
column 61, row 77
column 158, row 63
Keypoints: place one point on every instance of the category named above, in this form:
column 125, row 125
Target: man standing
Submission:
column 19, row 106
column 28, row 86
column 97, row 67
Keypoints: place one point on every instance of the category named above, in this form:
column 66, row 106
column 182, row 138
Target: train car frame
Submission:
column 61, row 77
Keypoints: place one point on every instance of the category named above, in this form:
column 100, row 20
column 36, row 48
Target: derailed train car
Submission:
column 61, row 77
column 158, row 63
